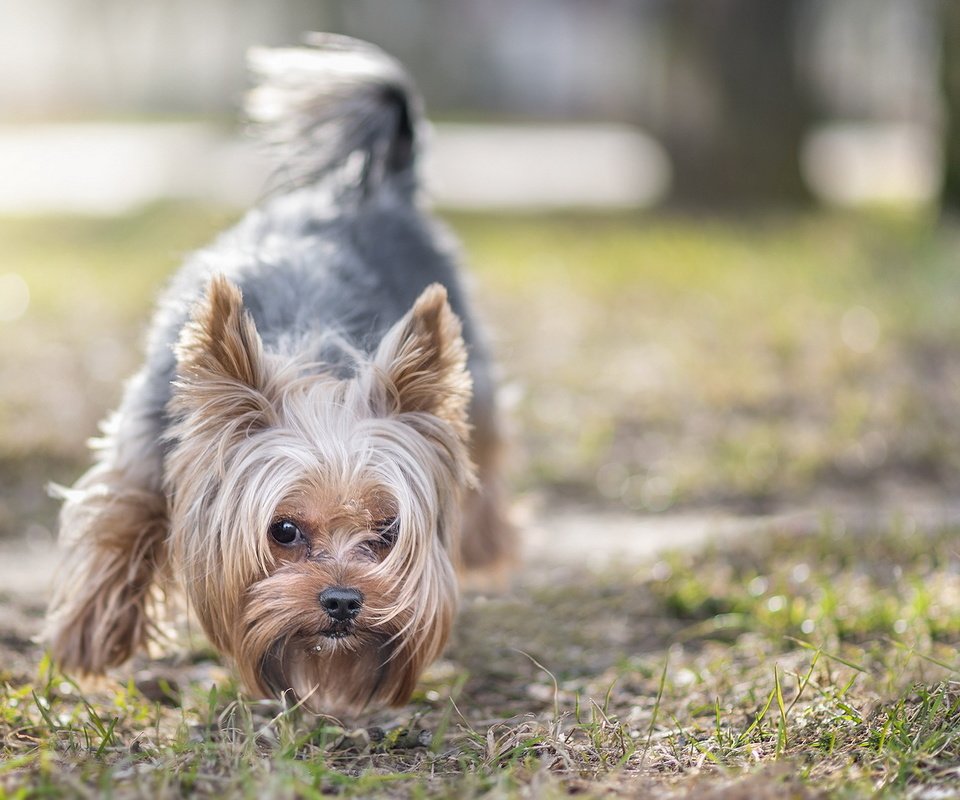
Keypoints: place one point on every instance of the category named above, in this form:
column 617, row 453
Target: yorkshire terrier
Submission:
column 313, row 426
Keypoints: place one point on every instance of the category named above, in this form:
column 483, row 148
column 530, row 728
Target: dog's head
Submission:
column 315, row 518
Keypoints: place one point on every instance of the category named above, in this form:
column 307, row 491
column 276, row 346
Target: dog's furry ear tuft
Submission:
column 424, row 361
column 220, row 341
column 222, row 373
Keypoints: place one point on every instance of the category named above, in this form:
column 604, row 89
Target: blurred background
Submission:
column 713, row 241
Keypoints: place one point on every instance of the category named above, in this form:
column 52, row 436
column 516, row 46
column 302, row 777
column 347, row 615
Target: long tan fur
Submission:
column 115, row 567
column 258, row 438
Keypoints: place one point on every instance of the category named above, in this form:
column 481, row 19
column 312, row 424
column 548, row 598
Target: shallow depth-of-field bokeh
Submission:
column 717, row 248
column 651, row 365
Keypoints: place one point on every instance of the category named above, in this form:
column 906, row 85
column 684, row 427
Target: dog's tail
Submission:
column 339, row 109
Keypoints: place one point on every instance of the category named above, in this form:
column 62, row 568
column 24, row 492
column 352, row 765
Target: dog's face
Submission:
column 315, row 519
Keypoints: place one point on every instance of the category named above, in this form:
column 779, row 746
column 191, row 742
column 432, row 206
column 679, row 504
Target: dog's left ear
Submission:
column 220, row 363
column 424, row 362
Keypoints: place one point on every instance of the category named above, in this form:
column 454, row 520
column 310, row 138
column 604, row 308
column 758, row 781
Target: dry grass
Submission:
column 811, row 664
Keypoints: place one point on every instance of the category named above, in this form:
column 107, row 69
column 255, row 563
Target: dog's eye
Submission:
column 285, row 532
column 388, row 530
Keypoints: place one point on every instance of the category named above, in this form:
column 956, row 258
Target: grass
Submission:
column 734, row 364
column 698, row 673
column 651, row 365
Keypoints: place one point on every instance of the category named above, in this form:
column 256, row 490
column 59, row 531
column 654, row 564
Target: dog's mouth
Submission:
column 335, row 634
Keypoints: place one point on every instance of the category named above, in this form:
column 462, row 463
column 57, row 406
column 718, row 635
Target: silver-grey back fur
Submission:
column 342, row 248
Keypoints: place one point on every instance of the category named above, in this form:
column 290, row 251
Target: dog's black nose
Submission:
column 340, row 603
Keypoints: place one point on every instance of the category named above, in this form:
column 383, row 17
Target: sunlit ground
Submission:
column 649, row 364
column 660, row 363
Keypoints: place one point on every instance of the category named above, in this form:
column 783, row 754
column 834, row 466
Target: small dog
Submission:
column 315, row 416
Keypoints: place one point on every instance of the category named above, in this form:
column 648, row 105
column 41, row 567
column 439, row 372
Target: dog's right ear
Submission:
column 220, row 363
column 220, row 342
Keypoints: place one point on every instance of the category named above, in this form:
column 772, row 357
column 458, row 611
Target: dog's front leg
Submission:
column 113, row 530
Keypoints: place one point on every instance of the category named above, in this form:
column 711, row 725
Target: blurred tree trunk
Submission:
column 737, row 111
column 950, row 80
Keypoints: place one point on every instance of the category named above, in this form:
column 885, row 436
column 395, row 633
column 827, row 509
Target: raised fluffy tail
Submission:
column 337, row 107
